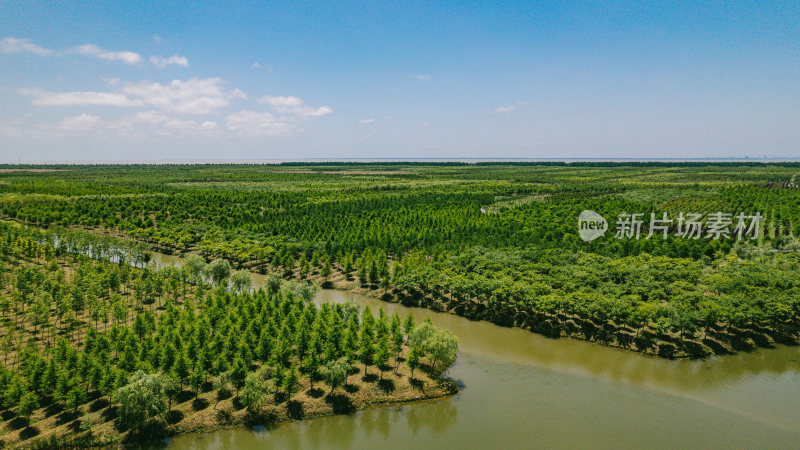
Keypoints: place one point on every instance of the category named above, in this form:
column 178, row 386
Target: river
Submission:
column 522, row 390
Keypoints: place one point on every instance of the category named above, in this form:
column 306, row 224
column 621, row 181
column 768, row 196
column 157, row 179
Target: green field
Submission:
column 491, row 241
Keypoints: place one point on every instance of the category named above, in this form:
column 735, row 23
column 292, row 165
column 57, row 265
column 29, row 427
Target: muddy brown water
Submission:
column 522, row 390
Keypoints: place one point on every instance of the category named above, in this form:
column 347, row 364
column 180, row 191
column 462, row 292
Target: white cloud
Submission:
column 81, row 124
column 93, row 50
column 252, row 123
column 157, row 38
column 502, row 109
column 147, row 125
column 192, row 96
column 46, row 98
column 421, row 77
column 15, row 45
column 257, row 65
column 12, row 128
column 294, row 106
column 161, row 62
column 139, row 126
column 143, row 124
column 366, row 121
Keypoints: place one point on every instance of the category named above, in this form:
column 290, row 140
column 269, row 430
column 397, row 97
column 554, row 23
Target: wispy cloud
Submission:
column 47, row 98
column 138, row 126
column 168, row 106
column 16, row 45
column 81, row 124
column 294, row 106
column 366, row 121
column 502, row 109
column 193, row 96
column 97, row 52
column 253, row 123
column 258, row 66
column 421, row 77
column 162, row 62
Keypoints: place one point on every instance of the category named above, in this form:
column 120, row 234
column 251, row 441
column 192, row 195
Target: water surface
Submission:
column 522, row 390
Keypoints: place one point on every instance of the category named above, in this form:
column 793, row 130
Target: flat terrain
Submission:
column 488, row 241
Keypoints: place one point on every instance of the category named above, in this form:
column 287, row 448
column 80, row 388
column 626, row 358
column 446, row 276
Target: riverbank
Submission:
column 695, row 341
column 699, row 343
column 81, row 407
column 207, row 413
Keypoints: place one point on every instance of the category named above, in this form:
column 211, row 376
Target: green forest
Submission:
column 100, row 352
column 488, row 241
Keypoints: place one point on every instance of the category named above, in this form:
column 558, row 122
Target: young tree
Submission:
column 397, row 347
column 273, row 284
column 255, row 392
column 335, row 373
column 27, row 405
column 222, row 385
column 326, row 269
column 408, row 324
column 218, row 270
column 311, row 365
column 366, row 349
column 290, row 381
column 382, row 355
column 238, row 374
column 194, row 265
column 413, row 359
column 442, row 347
column 196, row 380
column 143, row 398
column 75, row 398
column 181, row 368
column 241, row 280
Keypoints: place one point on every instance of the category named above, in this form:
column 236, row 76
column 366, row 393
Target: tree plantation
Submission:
column 487, row 241
column 96, row 352
column 191, row 346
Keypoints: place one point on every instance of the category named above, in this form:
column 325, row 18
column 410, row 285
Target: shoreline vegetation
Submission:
column 87, row 323
column 103, row 353
column 697, row 339
column 490, row 241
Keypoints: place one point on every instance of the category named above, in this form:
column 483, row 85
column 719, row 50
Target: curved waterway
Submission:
column 522, row 390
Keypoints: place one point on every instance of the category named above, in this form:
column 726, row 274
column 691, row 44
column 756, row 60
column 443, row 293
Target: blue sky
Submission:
column 84, row 81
